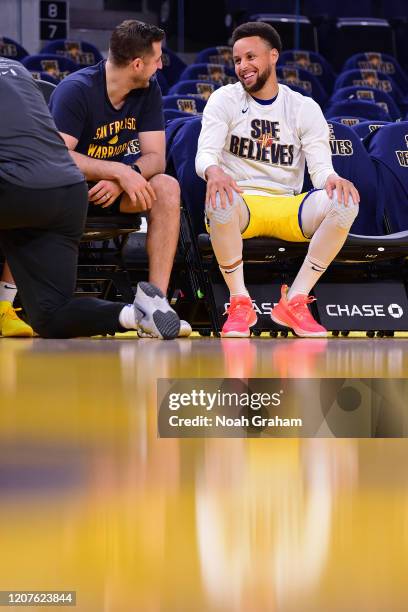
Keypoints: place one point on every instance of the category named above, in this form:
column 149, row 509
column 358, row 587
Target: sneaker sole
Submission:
column 235, row 334
column 21, row 334
column 166, row 321
column 300, row 332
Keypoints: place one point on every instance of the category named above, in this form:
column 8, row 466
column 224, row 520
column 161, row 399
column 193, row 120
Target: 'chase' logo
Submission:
column 365, row 310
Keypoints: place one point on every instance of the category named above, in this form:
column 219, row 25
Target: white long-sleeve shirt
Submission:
column 265, row 146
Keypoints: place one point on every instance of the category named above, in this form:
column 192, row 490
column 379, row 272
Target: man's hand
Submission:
column 140, row 192
column 344, row 189
column 220, row 182
column 104, row 193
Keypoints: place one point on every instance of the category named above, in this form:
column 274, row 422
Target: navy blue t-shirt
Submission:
column 81, row 108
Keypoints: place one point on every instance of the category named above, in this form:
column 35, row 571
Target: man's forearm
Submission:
column 96, row 169
column 151, row 164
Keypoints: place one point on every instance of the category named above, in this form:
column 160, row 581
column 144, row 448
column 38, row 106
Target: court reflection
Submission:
column 93, row 500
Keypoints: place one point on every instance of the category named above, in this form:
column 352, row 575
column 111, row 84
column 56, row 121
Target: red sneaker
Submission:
column 241, row 316
column 296, row 315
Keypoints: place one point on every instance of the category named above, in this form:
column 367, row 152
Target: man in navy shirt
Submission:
column 111, row 119
column 43, row 206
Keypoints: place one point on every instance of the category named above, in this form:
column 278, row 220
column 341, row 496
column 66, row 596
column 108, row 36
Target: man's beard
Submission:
column 259, row 83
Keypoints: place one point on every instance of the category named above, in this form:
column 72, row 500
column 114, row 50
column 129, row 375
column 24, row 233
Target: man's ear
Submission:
column 137, row 63
column 274, row 55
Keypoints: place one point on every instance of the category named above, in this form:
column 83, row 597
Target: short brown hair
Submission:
column 131, row 39
column 261, row 29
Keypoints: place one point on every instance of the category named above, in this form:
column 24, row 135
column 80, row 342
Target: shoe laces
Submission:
column 11, row 313
column 239, row 311
column 299, row 306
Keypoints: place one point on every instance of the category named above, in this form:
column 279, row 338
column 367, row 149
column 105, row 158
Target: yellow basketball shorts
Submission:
column 275, row 216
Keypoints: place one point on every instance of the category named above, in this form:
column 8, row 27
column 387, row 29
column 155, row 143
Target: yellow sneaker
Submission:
column 11, row 326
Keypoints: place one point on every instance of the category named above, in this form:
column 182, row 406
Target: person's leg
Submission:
column 328, row 223
column 11, row 326
column 43, row 260
column 226, row 226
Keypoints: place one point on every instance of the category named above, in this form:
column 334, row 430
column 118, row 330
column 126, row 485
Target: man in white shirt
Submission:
column 255, row 138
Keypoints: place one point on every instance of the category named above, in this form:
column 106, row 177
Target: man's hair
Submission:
column 261, row 29
column 131, row 39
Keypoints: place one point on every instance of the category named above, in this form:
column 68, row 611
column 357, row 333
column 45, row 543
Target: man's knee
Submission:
column 167, row 192
column 342, row 215
column 224, row 215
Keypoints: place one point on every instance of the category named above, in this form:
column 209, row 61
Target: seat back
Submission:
column 216, row 55
column 80, row 52
column 351, row 161
column 55, row 65
column 382, row 62
column 302, row 78
column 312, row 62
column 381, row 98
column 364, row 128
column 186, row 104
column 372, row 79
column 182, row 155
column 388, row 148
column 193, row 87
column 357, row 108
column 173, row 66
column 11, row 49
column 209, row 72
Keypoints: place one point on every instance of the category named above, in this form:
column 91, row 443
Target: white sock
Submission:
column 234, row 278
column 127, row 317
column 8, row 292
column 308, row 275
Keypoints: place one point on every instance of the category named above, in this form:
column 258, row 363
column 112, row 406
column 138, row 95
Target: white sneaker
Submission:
column 185, row 329
column 158, row 320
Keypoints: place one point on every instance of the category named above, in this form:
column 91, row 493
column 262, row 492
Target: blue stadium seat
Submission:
column 372, row 79
column 312, row 62
column 216, row 55
column 302, row 78
column 347, row 120
column 388, row 148
column 186, row 104
column 209, row 72
column 173, row 66
column 382, row 62
column 203, row 89
column 369, row 94
column 11, row 49
column 171, row 114
column 44, row 76
column 356, row 108
column 80, row 52
column 364, row 128
column 55, row 65
column 162, row 81
column 351, row 161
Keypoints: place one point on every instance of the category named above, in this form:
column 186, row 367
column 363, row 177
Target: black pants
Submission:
column 40, row 230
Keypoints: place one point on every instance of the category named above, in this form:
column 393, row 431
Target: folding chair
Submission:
column 186, row 104
column 201, row 89
column 80, row 52
column 304, row 79
column 11, row 49
column 372, row 79
column 173, row 66
column 55, row 65
column 312, row 62
column 381, row 98
column 364, row 128
column 217, row 73
column 382, row 62
column 216, row 55
column 356, row 108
